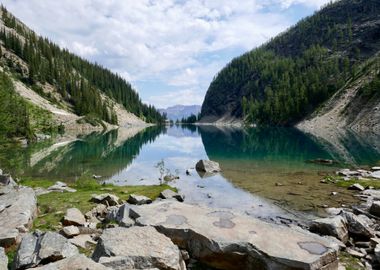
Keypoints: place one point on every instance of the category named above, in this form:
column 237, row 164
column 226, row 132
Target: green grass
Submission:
column 338, row 180
column 11, row 254
column 52, row 206
column 351, row 263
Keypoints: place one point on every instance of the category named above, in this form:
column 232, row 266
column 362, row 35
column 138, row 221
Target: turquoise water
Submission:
column 253, row 161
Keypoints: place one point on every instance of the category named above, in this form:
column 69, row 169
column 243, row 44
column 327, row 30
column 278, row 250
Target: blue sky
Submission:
column 168, row 49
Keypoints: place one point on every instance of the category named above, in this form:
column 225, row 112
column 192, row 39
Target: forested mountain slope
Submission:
column 292, row 75
column 64, row 80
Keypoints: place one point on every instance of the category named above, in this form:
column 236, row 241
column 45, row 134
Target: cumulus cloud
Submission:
column 177, row 43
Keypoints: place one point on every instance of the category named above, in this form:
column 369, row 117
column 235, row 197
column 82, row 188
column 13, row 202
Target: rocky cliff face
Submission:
column 347, row 31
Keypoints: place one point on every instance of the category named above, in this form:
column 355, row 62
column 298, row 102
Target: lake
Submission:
column 265, row 172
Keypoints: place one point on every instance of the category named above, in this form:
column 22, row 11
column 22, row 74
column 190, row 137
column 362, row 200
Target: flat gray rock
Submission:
column 356, row 187
column 82, row 241
column 207, row 166
column 139, row 199
column 77, row 262
column 3, row 259
column 335, row 226
column 376, row 174
column 61, row 187
column 70, row 231
column 44, row 248
column 226, row 240
column 74, row 217
column 19, row 209
column 137, row 248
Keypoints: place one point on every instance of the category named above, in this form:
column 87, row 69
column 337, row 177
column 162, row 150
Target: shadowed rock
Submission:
column 138, row 199
column 227, row 240
column 335, row 226
column 207, row 166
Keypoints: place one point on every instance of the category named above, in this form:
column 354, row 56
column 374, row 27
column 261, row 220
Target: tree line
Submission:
column 80, row 82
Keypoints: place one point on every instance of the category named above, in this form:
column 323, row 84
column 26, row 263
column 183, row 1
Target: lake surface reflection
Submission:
column 264, row 170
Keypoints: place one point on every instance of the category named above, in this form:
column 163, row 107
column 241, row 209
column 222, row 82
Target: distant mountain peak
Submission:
column 181, row 111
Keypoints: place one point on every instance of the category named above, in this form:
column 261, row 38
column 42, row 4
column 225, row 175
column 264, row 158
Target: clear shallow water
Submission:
column 252, row 160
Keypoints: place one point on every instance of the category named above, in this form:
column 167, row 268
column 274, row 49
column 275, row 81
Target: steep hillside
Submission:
column 293, row 74
column 72, row 89
column 181, row 111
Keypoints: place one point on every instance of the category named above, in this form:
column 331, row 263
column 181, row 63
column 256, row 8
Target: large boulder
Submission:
column 44, row 248
column 207, row 166
column 18, row 209
column 139, row 199
column 3, row 259
column 227, row 240
column 335, row 226
column 74, row 217
column 137, row 248
column 77, row 262
column 358, row 226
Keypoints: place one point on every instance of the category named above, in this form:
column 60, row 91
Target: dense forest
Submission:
column 289, row 77
column 77, row 80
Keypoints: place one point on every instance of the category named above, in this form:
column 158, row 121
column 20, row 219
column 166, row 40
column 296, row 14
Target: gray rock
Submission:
column 375, row 208
column 74, row 217
column 42, row 248
column 126, row 222
column 82, row 241
column 138, row 199
column 27, row 252
column 77, row 262
column 106, row 199
column 227, row 240
column 54, row 247
column 19, row 209
column 61, row 187
column 99, row 212
column 7, row 180
column 335, row 226
column 207, row 166
column 170, row 194
column 70, row 231
column 137, row 248
column 358, row 226
column 355, row 253
column 3, row 259
column 377, row 168
column 377, row 252
column 356, row 187
column 375, row 174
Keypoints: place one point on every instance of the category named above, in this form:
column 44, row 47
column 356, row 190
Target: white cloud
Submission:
column 164, row 40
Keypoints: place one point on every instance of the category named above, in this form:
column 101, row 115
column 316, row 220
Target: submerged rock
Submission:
column 335, row 226
column 77, row 262
column 39, row 248
column 18, row 209
column 227, row 240
column 74, row 217
column 137, row 248
column 139, row 199
column 207, row 166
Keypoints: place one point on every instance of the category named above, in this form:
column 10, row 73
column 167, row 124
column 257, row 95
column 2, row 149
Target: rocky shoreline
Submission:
column 168, row 233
